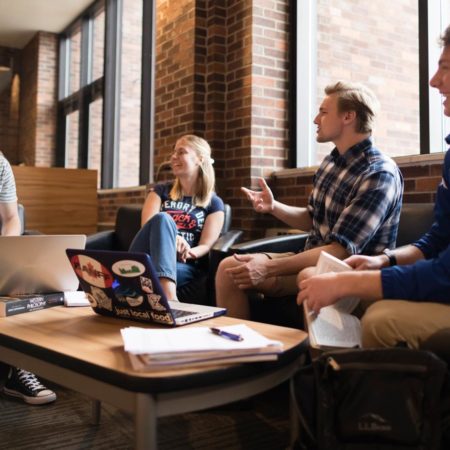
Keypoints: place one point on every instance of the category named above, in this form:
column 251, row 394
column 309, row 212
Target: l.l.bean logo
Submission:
column 128, row 268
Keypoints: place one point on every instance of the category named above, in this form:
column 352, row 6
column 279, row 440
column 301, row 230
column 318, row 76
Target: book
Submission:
column 334, row 326
column 22, row 303
column 156, row 349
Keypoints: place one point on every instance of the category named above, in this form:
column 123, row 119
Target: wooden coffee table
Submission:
column 78, row 349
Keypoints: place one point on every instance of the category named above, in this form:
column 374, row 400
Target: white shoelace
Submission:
column 29, row 379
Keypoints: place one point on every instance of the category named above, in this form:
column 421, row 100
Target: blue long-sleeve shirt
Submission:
column 428, row 279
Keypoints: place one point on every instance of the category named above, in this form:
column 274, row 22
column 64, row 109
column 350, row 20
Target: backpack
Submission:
column 372, row 399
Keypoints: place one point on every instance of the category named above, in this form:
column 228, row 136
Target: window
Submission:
column 375, row 43
column 103, row 96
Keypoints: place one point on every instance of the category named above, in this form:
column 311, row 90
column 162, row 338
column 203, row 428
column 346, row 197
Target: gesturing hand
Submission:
column 183, row 249
column 263, row 200
column 251, row 272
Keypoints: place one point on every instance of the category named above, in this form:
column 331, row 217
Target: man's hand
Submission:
column 183, row 249
column 263, row 200
column 251, row 272
column 362, row 262
column 318, row 291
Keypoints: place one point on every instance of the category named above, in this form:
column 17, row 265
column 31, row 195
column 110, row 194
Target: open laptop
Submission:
column 125, row 285
column 37, row 264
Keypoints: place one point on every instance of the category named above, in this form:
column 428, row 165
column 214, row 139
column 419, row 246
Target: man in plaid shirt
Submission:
column 354, row 207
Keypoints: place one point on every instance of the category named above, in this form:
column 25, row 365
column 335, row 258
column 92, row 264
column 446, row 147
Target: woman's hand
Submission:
column 183, row 249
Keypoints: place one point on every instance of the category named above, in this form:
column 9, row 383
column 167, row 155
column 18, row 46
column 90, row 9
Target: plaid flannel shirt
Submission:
column 356, row 200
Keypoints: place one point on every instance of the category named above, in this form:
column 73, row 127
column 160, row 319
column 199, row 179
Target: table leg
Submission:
column 145, row 418
column 293, row 416
column 96, row 406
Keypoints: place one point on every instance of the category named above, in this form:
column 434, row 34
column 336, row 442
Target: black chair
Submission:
column 415, row 220
column 128, row 223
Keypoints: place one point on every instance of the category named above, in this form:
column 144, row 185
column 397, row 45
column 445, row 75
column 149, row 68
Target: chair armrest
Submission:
column 104, row 240
column 277, row 244
column 227, row 240
column 221, row 249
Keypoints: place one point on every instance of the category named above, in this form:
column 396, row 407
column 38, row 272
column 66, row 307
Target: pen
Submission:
column 227, row 335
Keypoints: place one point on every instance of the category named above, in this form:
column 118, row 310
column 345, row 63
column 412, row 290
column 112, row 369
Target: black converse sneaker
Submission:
column 26, row 385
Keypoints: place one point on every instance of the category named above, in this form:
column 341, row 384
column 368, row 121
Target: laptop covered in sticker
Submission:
column 125, row 285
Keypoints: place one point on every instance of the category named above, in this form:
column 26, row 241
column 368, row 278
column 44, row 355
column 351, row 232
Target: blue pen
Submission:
column 227, row 335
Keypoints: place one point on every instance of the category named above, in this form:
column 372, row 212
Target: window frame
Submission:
column 108, row 88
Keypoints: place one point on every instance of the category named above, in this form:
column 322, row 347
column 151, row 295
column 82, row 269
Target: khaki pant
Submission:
column 385, row 323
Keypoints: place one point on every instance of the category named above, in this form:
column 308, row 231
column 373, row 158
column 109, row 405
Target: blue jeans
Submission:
column 158, row 238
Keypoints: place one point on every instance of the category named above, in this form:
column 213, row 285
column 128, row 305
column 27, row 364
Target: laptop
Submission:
column 125, row 285
column 37, row 264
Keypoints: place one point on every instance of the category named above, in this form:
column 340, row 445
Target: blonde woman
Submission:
column 182, row 219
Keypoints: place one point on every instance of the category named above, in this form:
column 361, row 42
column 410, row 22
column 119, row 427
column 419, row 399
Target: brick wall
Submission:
column 222, row 73
column 38, row 84
column 46, row 101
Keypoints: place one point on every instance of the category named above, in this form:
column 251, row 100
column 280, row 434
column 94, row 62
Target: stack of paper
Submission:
column 151, row 349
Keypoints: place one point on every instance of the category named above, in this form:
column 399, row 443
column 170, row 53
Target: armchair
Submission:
column 128, row 223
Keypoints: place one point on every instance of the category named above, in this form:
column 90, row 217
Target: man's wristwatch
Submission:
column 391, row 257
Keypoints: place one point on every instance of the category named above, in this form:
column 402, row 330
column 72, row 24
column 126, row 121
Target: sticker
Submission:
column 128, row 294
column 135, row 301
column 103, row 301
column 128, row 268
column 146, row 285
column 162, row 318
column 91, row 271
column 154, row 300
column 92, row 300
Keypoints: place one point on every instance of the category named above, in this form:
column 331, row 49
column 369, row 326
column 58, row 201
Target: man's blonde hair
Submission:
column 206, row 178
column 359, row 98
column 445, row 38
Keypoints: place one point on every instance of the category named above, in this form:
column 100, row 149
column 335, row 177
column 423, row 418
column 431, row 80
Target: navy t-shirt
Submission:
column 189, row 218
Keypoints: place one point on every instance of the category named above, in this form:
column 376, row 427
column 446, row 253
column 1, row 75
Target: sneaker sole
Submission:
column 30, row 400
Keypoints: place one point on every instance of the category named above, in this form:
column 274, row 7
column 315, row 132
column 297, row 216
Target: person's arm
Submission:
column 264, row 202
column 151, row 207
column 255, row 268
column 210, row 234
column 425, row 280
column 407, row 254
column 326, row 289
column 9, row 217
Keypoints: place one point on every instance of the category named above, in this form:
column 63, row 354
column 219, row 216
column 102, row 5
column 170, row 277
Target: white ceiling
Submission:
column 21, row 19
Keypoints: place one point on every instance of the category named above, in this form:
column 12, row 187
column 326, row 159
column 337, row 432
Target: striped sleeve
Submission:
column 7, row 183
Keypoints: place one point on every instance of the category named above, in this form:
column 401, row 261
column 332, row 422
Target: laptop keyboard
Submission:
column 180, row 313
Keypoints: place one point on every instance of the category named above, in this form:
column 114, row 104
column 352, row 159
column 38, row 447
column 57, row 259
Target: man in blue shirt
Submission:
column 417, row 276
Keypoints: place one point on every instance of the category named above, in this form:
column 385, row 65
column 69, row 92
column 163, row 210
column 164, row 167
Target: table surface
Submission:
column 78, row 339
